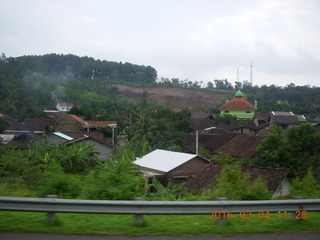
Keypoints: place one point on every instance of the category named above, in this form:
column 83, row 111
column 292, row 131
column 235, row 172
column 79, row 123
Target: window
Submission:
column 248, row 112
column 226, row 111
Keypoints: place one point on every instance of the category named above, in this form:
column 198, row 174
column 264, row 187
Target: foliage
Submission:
column 4, row 124
column 235, row 185
column 307, row 187
column 224, row 158
column 296, row 149
column 160, row 193
column 142, row 131
column 116, row 179
column 56, row 182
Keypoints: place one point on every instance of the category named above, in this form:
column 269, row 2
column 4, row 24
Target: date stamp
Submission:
column 259, row 215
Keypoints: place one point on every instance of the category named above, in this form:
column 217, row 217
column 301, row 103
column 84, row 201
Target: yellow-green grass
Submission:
column 106, row 224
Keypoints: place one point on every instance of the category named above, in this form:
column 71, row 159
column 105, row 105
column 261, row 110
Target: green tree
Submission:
column 4, row 124
column 142, row 130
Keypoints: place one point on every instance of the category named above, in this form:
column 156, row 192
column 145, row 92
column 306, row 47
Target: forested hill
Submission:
column 35, row 82
column 59, row 66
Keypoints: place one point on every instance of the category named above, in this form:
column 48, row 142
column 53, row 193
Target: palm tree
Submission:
column 142, row 130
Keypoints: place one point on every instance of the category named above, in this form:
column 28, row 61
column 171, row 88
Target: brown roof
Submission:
column 262, row 116
column 209, row 141
column 238, row 103
column 285, row 119
column 30, row 124
column 241, row 146
column 206, row 178
column 236, row 124
column 101, row 123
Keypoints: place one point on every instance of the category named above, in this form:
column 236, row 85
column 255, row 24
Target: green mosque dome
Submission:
column 239, row 94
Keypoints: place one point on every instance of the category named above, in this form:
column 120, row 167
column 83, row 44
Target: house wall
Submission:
column 188, row 169
column 67, row 124
column 241, row 114
column 103, row 150
column 283, row 190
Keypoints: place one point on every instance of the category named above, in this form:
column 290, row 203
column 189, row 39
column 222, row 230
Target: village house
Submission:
column 64, row 107
column 102, row 146
column 169, row 166
column 276, row 178
column 284, row 119
column 73, row 123
column 36, row 125
column 247, row 127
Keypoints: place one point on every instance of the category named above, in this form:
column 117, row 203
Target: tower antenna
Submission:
column 251, row 80
column 238, row 74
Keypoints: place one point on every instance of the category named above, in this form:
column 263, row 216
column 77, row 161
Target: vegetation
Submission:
column 297, row 149
column 234, row 185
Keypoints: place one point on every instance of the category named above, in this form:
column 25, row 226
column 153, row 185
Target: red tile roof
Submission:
column 80, row 120
column 238, row 103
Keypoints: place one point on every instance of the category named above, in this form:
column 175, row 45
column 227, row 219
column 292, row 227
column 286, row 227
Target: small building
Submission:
column 169, row 166
column 73, row 123
column 64, row 107
column 276, row 178
column 239, row 107
column 284, row 119
column 247, row 127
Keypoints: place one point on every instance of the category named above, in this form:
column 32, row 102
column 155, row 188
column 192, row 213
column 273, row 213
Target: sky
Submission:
column 198, row 40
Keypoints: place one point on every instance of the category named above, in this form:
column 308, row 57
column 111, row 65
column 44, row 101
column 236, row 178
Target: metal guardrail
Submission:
column 153, row 207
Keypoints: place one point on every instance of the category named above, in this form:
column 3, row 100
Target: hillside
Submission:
column 174, row 96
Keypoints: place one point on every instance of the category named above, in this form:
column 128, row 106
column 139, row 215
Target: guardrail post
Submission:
column 222, row 220
column 138, row 218
column 295, row 215
column 51, row 216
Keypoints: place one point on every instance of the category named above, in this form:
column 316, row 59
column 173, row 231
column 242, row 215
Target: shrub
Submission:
column 306, row 187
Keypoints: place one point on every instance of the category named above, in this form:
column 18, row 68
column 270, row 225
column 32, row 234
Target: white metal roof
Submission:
column 63, row 136
column 162, row 160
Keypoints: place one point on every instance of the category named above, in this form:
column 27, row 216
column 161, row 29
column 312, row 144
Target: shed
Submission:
column 170, row 166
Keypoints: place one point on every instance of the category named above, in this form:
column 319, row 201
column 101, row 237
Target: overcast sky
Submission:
column 198, row 40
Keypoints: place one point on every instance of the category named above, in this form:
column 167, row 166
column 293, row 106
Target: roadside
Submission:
column 273, row 236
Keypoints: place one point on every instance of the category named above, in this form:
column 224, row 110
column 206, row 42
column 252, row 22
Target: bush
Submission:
column 106, row 185
column 59, row 183
column 306, row 187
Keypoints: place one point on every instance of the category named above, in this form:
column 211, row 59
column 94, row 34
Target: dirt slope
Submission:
column 175, row 96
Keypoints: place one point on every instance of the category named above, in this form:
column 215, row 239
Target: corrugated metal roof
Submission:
column 164, row 161
column 63, row 136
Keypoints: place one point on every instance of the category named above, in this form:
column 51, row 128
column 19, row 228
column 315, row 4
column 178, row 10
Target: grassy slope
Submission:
column 155, row 225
